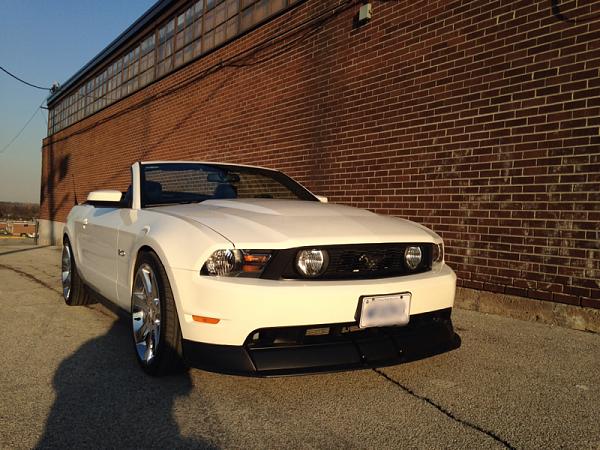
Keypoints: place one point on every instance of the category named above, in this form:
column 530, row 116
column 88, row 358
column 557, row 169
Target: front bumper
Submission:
column 277, row 351
column 244, row 305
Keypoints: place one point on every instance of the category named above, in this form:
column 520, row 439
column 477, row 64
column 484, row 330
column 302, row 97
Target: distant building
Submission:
column 477, row 119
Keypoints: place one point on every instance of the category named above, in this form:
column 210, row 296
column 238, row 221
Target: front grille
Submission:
column 355, row 261
column 372, row 261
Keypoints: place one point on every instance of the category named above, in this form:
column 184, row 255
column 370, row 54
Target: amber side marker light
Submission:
column 203, row 319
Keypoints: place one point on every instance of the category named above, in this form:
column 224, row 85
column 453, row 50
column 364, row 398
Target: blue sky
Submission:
column 44, row 41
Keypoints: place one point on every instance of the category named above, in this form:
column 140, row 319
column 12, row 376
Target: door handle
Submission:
column 84, row 223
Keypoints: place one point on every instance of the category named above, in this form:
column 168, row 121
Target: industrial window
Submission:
column 165, row 48
column 197, row 28
column 147, row 60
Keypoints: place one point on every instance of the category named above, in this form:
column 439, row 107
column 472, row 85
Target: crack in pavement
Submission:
column 30, row 277
column 47, row 286
column 444, row 411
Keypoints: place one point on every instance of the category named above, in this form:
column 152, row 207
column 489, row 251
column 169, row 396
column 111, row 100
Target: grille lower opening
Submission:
column 319, row 334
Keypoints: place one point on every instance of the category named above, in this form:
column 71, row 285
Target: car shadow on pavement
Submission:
column 103, row 399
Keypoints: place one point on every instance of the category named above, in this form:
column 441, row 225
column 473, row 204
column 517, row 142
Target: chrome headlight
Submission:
column 413, row 256
column 231, row 263
column 312, row 263
column 223, row 262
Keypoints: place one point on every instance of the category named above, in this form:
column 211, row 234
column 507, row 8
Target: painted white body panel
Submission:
column 106, row 242
column 276, row 224
column 245, row 304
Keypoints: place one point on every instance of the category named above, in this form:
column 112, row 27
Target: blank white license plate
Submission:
column 385, row 310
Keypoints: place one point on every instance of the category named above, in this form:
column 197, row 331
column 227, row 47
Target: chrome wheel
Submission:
column 145, row 311
column 66, row 272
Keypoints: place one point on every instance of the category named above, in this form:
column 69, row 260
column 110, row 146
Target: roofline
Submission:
column 150, row 15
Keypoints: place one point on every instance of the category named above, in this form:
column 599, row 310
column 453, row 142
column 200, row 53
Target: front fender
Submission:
column 177, row 243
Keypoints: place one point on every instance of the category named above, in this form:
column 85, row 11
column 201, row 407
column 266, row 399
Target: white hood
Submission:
column 272, row 224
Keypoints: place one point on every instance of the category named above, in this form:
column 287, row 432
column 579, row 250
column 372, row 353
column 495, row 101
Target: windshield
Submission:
column 167, row 183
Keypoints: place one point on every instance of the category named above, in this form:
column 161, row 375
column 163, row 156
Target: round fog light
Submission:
column 413, row 256
column 311, row 263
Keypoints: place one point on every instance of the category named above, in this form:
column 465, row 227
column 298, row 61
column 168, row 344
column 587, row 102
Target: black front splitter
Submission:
column 426, row 335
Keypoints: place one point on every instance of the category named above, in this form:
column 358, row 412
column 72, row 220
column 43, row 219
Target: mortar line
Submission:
column 444, row 411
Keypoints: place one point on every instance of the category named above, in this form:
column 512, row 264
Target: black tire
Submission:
column 167, row 359
column 78, row 294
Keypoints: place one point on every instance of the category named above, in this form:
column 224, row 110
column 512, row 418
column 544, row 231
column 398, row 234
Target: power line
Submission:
column 6, row 147
column 23, row 81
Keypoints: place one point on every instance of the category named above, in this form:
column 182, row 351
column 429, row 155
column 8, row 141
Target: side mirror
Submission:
column 105, row 197
column 322, row 199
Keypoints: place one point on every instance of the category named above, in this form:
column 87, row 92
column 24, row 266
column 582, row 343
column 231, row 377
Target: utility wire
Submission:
column 23, row 81
column 7, row 146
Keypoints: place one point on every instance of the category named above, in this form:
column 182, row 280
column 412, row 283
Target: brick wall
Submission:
column 477, row 118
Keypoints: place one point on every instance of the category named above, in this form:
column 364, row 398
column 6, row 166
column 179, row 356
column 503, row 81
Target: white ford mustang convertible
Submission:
column 241, row 269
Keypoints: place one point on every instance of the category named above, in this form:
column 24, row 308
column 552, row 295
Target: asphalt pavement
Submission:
column 69, row 379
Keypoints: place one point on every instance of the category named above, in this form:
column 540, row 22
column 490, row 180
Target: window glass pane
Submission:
column 219, row 34
column 160, row 69
column 261, row 10
column 198, row 29
column 220, row 13
column 179, row 58
column 143, row 63
column 198, row 9
column 188, row 53
column 134, row 69
column 277, row 5
column 209, row 20
column 210, row 4
column 180, row 22
column 232, row 27
column 232, row 8
column 164, row 67
column 189, row 34
column 179, row 40
column 197, row 47
column 148, row 44
column 246, row 19
column 208, row 41
column 146, row 77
